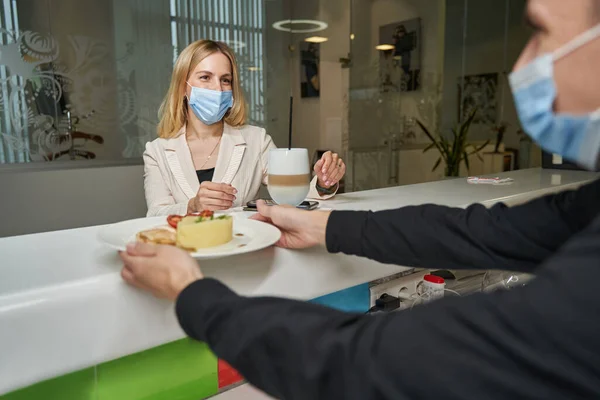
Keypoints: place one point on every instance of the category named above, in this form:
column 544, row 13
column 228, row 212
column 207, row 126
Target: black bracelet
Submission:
column 321, row 189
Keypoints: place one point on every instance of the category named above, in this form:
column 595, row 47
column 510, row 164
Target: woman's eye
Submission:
column 227, row 81
column 204, row 77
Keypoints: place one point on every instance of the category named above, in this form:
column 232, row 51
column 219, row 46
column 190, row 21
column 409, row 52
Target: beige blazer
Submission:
column 170, row 179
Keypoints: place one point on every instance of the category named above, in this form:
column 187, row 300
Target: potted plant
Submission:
column 454, row 151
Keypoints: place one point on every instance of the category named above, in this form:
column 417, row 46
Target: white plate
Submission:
column 248, row 236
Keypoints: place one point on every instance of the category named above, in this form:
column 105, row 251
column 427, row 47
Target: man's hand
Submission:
column 299, row 229
column 162, row 270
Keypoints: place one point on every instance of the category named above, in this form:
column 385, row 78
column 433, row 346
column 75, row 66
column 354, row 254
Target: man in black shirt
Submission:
column 539, row 341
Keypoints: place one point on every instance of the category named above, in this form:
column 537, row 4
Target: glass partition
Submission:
column 395, row 79
column 83, row 79
column 432, row 62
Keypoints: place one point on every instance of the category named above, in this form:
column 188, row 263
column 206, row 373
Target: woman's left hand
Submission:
column 330, row 169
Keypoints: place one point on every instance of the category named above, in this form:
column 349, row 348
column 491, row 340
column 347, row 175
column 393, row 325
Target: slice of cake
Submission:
column 157, row 236
column 204, row 231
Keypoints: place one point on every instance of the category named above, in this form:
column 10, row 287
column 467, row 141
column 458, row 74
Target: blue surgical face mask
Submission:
column 575, row 137
column 210, row 106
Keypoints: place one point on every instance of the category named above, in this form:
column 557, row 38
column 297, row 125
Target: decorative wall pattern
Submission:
column 45, row 100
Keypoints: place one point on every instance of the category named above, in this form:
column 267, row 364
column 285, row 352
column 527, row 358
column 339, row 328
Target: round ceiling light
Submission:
column 316, row 39
column 385, row 47
column 317, row 25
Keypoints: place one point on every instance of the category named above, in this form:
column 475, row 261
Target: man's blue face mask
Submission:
column 575, row 137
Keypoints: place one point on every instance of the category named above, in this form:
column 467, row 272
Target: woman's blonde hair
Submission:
column 173, row 112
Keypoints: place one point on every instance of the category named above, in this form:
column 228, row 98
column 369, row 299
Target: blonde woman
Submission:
column 206, row 157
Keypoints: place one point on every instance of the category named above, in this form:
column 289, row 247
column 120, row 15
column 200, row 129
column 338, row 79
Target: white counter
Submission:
column 63, row 306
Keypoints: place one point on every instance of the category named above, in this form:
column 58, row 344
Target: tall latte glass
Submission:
column 289, row 175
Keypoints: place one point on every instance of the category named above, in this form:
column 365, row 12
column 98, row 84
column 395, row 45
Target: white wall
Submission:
column 41, row 201
column 335, row 81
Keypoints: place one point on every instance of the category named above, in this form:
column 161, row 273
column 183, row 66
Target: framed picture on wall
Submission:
column 400, row 56
column 478, row 91
column 309, row 67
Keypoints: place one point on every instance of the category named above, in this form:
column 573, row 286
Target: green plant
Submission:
column 454, row 151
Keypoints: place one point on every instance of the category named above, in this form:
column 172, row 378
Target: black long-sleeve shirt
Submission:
column 541, row 341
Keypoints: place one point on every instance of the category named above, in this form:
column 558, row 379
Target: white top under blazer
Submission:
column 170, row 179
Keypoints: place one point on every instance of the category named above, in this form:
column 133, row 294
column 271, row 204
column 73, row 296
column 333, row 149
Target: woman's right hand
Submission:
column 212, row 196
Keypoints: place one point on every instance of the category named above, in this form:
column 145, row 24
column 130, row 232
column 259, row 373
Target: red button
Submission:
column 433, row 279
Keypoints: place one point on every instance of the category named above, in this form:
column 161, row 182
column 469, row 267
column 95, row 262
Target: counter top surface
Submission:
column 64, row 307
